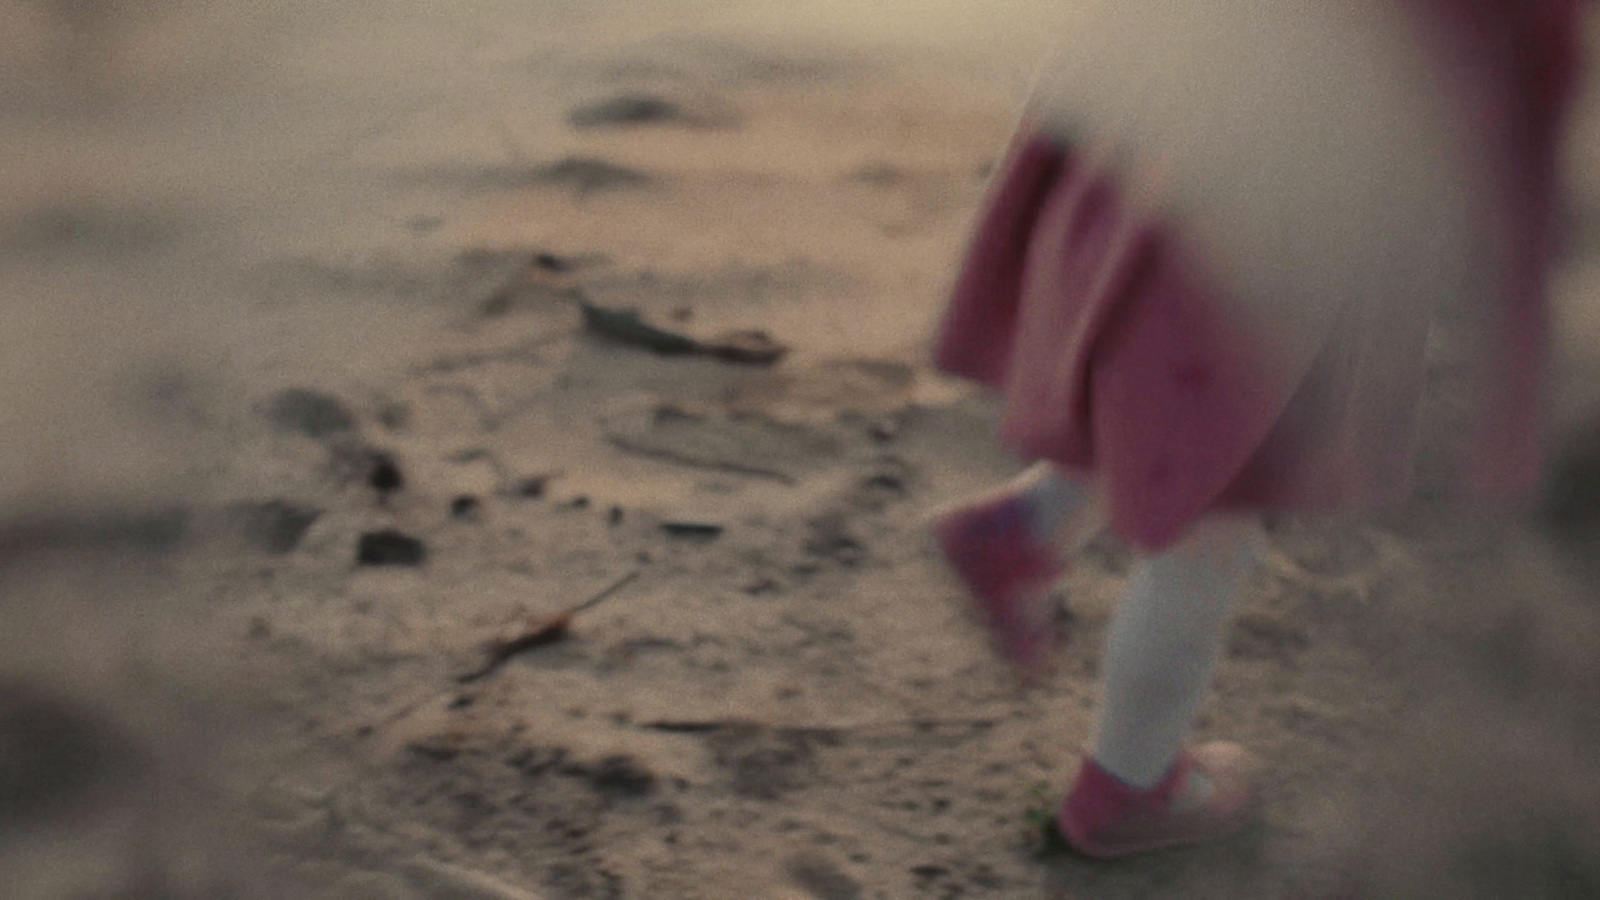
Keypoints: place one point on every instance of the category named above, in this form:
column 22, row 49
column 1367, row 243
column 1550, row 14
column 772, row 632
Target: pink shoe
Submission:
column 992, row 547
column 1105, row 818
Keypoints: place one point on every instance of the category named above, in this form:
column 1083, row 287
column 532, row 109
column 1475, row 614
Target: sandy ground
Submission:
column 252, row 258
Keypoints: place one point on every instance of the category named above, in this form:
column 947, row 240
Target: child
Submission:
column 1203, row 281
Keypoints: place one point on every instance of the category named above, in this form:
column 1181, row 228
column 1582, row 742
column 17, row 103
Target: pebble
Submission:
column 390, row 548
column 465, row 506
column 384, row 476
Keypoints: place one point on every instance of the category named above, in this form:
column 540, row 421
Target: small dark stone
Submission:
column 614, row 516
column 551, row 263
column 307, row 412
column 622, row 775
column 384, row 476
column 687, row 727
column 886, row 481
column 390, row 548
column 465, row 506
column 580, row 502
column 704, row 530
column 533, row 488
column 628, row 109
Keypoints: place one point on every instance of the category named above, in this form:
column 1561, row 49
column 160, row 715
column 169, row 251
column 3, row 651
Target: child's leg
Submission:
column 1163, row 645
column 1009, row 548
column 1141, row 789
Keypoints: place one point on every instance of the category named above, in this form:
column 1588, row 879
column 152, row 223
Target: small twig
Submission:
column 687, row 726
column 694, row 462
column 918, row 726
column 680, row 528
column 549, row 631
column 627, row 327
column 605, row 595
column 447, row 365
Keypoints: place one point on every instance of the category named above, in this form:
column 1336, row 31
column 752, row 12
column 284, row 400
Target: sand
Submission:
column 303, row 414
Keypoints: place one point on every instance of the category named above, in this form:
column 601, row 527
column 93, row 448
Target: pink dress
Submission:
column 1205, row 274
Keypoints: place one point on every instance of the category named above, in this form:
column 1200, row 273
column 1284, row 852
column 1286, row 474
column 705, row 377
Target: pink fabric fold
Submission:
column 1106, row 333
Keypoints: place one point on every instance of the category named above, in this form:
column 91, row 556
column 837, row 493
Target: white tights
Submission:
column 1164, row 641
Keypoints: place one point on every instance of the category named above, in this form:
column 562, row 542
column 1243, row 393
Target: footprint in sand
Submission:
column 582, row 175
column 628, row 109
column 637, row 110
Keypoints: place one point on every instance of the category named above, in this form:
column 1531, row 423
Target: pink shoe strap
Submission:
column 1099, row 797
